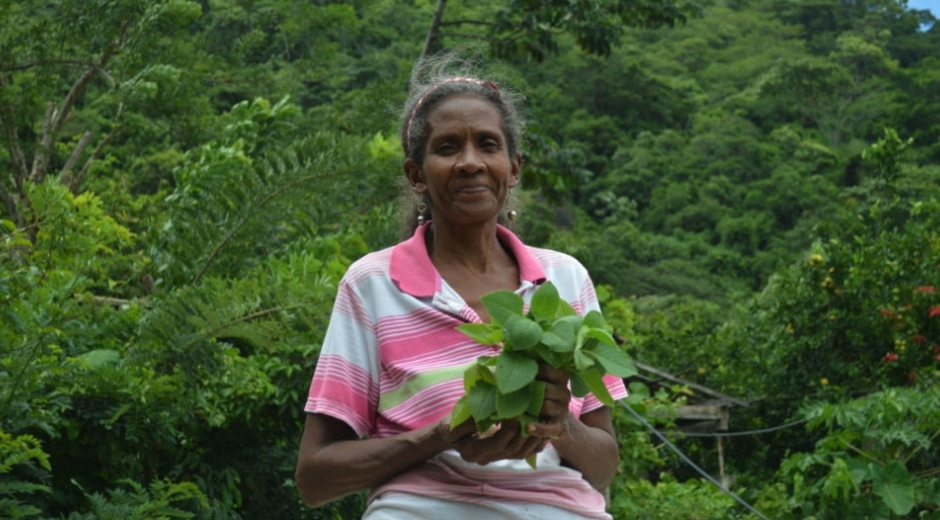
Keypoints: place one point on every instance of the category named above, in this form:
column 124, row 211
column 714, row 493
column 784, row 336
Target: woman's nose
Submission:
column 470, row 160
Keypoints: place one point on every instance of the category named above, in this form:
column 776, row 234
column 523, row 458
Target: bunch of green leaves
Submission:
column 505, row 386
column 878, row 458
column 19, row 452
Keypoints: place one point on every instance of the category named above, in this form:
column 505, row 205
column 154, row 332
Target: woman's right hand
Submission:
column 506, row 441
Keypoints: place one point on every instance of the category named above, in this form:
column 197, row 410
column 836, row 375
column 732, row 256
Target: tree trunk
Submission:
column 433, row 31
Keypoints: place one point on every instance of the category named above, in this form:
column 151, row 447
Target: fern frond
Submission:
column 230, row 210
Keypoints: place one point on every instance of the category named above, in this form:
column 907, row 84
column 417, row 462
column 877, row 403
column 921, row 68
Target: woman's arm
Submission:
column 334, row 462
column 588, row 444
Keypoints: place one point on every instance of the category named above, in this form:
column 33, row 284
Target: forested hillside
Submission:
column 753, row 185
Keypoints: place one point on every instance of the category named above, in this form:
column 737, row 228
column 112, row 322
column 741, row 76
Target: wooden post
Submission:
column 721, row 464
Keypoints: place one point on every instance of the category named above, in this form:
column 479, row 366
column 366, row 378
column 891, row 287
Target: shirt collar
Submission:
column 412, row 271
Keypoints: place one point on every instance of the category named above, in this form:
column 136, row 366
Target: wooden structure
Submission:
column 706, row 410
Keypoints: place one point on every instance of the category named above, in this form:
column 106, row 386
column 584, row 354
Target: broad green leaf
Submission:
column 565, row 309
column 101, row 357
column 523, row 334
column 512, row 404
column 637, row 392
column 475, row 373
column 488, row 361
column 594, row 319
column 514, row 371
column 482, row 401
column 613, row 360
column 555, row 342
column 868, row 506
column 579, row 388
column 502, row 305
column 858, row 469
column 485, row 333
column 601, row 335
column 536, row 396
column 555, row 359
column 566, row 328
column 894, row 485
column 460, row 413
column 595, row 382
column 525, row 420
column 581, row 360
column 544, row 302
column 484, row 423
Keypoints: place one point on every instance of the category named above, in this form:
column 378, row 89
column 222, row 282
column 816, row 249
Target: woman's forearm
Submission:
column 351, row 465
column 590, row 448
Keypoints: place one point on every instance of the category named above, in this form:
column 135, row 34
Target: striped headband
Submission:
column 455, row 79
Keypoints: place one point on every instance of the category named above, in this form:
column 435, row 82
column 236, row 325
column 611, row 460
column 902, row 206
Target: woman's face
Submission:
column 467, row 171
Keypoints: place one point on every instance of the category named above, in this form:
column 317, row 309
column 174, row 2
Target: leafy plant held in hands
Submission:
column 505, row 386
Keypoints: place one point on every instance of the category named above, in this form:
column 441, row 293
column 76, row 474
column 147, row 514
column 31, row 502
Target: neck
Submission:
column 472, row 248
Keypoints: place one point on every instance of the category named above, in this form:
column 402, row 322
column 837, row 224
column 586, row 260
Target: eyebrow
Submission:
column 487, row 134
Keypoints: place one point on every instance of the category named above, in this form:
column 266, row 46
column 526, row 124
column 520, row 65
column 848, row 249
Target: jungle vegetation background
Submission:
column 753, row 184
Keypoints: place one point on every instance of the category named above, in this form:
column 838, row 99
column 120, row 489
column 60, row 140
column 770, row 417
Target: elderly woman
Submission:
column 391, row 366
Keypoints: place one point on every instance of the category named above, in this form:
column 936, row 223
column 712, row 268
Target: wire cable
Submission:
column 735, row 434
column 690, row 463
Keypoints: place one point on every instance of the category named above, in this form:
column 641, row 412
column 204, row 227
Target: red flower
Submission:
column 920, row 339
column 926, row 289
column 889, row 357
column 934, row 311
column 888, row 313
column 938, row 357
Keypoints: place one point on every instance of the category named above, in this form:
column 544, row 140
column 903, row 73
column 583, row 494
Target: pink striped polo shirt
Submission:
column 392, row 361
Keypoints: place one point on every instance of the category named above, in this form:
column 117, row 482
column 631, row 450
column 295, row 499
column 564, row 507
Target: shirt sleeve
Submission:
column 345, row 380
column 613, row 383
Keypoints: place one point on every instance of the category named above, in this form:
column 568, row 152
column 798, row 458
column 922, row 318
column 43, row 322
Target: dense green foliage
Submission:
column 754, row 186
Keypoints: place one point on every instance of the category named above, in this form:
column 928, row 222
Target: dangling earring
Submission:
column 422, row 207
column 512, row 214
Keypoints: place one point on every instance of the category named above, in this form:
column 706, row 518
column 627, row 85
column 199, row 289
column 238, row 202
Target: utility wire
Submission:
column 734, row 434
column 690, row 463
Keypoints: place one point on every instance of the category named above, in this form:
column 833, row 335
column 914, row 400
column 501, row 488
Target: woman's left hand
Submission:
column 554, row 416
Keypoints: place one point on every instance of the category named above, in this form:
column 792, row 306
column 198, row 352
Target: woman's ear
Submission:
column 515, row 170
column 414, row 176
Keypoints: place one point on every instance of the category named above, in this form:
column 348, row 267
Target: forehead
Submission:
column 465, row 110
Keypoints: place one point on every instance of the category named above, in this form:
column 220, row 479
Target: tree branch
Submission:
column 118, row 302
column 433, row 30
column 56, row 119
column 80, row 178
column 244, row 220
column 65, row 174
column 78, row 63
column 471, row 22
column 20, row 170
column 465, row 35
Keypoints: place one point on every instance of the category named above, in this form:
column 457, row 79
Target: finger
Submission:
column 552, row 375
column 552, row 430
column 458, row 434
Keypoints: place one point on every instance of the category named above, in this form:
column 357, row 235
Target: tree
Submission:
column 529, row 28
column 68, row 46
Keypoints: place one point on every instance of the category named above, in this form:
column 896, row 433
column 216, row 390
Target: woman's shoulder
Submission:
column 552, row 259
column 371, row 264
